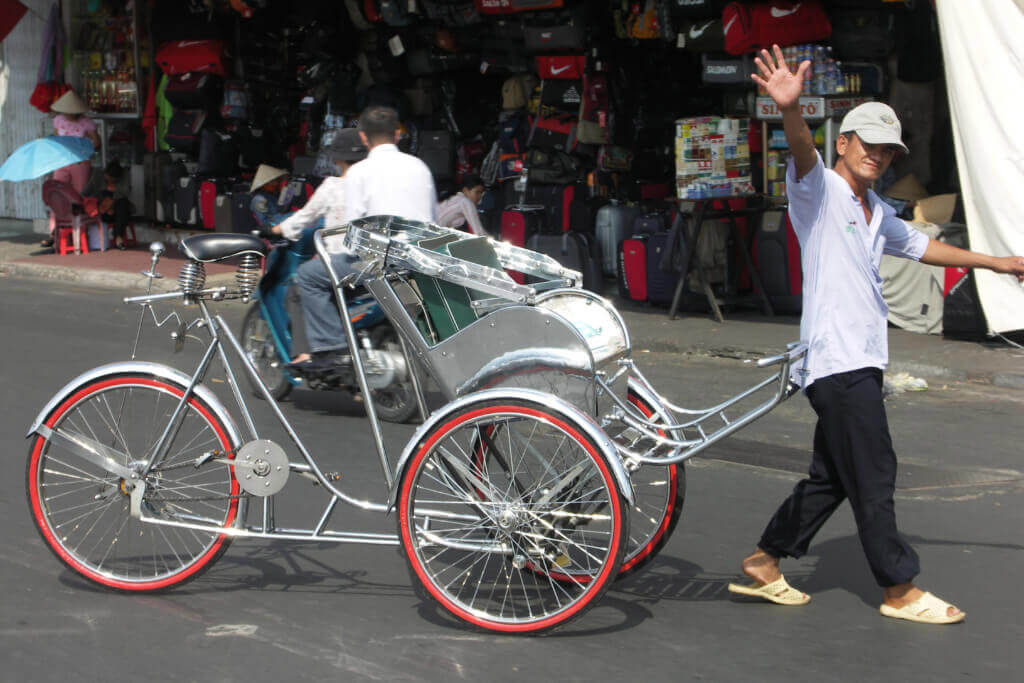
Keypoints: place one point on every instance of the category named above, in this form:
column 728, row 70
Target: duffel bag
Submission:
column 183, row 130
column 194, row 91
column 554, row 132
column 751, row 27
column 192, row 56
column 568, row 67
column 702, row 35
column 512, row 6
column 551, row 167
column 567, row 36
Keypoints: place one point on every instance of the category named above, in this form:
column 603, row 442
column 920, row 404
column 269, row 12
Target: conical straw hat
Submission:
column 69, row 103
column 266, row 174
column 908, row 188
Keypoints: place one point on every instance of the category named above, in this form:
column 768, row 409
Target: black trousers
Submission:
column 120, row 217
column 853, row 459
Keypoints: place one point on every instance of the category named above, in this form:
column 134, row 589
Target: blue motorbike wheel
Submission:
column 258, row 343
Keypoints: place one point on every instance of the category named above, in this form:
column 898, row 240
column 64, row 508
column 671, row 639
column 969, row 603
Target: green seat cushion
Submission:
column 450, row 306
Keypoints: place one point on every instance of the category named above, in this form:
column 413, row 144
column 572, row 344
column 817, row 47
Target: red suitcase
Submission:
column 208, row 204
column 518, row 224
column 632, row 268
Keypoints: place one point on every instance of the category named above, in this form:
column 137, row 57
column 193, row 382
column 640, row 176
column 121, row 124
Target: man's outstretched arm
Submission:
column 785, row 88
column 942, row 254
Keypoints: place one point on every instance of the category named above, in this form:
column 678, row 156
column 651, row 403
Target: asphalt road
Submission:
column 294, row 611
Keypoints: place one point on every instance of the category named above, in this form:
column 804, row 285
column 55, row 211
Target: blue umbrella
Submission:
column 38, row 157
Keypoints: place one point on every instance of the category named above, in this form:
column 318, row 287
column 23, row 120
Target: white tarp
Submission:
column 984, row 60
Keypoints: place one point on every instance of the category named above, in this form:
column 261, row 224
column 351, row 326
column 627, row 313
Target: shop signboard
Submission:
column 813, row 108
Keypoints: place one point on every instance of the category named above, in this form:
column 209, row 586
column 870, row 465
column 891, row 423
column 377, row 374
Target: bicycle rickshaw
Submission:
column 553, row 468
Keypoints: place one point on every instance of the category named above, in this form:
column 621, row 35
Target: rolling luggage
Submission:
column 661, row 284
column 632, row 268
column 777, row 255
column 572, row 251
column 649, row 224
column 611, row 226
column 962, row 316
column 207, row 204
column 218, row 154
column 223, row 215
column 242, row 220
column 518, row 224
column 437, row 150
column 186, row 202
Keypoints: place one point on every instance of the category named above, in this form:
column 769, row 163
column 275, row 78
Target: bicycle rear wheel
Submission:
column 485, row 542
column 82, row 510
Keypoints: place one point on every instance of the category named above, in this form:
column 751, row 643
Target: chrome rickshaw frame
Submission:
column 546, row 357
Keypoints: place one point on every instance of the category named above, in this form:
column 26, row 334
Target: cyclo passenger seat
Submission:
column 450, row 306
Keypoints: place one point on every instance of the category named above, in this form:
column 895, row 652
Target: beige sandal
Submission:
column 927, row 609
column 778, row 591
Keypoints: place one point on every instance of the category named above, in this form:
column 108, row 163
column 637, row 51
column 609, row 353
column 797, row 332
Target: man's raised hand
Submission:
column 777, row 80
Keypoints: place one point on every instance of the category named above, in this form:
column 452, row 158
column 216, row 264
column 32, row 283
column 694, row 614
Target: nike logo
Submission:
column 779, row 13
column 186, row 43
column 731, row 22
column 696, row 33
column 561, row 69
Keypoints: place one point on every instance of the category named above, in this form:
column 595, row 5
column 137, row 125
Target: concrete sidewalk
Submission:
column 743, row 335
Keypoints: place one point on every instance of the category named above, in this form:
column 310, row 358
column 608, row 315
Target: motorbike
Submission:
column 266, row 337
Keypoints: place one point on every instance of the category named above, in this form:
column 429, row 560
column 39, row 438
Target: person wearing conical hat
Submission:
column 267, row 205
column 71, row 121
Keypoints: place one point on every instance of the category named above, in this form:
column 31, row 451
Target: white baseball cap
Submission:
column 875, row 123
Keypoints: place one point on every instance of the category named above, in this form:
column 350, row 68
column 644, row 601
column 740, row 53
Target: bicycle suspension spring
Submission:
column 248, row 274
column 192, row 278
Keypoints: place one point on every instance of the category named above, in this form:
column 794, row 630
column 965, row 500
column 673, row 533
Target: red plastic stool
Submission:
column 65, row 242
column 130, row 240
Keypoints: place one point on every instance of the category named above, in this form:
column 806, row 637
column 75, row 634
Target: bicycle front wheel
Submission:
column 82, row 510
column 488, row 536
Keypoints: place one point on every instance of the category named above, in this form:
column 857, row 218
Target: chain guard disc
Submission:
column 261, row 467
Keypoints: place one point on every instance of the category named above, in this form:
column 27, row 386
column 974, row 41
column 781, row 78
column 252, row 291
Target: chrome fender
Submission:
column 562, row 408
column 139, row 367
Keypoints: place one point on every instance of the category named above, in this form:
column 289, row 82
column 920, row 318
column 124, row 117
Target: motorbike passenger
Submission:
column 319, row 312
column 270, row 198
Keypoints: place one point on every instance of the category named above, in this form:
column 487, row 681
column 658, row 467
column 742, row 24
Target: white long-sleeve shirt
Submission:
column 328, row 202
column 389, row 182
column 458, row 211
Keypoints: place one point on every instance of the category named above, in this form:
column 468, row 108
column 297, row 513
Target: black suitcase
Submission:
column 195, row 91
column 223, row 213
column 242, row 219
column 218, row 154
column 572, row 251
column 437, row 150
column 649, row 224
column 661, row 285
column 155, row 169
column 962, row 316
column 186, row 202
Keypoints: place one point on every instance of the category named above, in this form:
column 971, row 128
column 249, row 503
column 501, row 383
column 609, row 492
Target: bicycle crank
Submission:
column 261, row 467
